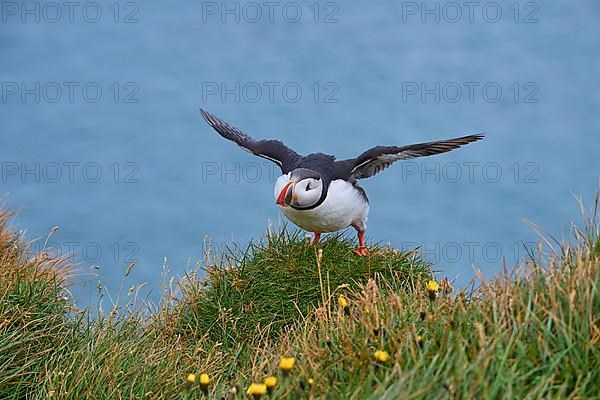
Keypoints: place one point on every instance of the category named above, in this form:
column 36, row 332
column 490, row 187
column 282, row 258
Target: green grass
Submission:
column 533, row 332
column 280, row 281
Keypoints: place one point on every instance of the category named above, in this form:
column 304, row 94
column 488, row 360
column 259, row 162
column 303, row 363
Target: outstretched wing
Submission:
column 378, row 158
column 272, row 150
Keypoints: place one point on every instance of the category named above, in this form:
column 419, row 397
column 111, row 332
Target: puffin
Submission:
column 319, row 193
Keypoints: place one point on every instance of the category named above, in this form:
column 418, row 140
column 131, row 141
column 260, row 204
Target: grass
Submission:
column 532, row 332
column 279, row 281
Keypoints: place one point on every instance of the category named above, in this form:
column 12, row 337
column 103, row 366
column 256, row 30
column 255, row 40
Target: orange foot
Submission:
column 362, row 248
column 361, row 251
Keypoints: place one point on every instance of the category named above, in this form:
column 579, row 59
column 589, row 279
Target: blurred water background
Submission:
column 101, row 135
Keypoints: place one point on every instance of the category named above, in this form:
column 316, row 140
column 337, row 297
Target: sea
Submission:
column 108, row 162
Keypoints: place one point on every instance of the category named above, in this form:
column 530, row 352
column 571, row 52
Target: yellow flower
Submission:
column 256, row 390
column 204, row 382
column 432, row 286
column 204, row 379
column 286, row 364
column 270, row 382
column 382, row 356
column 420, row 340
column 191, row 379
column 343, row 302
column 311, row 381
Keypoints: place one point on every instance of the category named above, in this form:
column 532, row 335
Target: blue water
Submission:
column 132, row 173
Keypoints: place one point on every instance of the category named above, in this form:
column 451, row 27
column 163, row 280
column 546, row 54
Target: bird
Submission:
column 319, row 193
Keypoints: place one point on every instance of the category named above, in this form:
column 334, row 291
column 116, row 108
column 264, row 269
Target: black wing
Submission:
column 272, row 150
column 378, row 158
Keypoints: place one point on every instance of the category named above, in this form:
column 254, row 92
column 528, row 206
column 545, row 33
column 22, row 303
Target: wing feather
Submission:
column 272, row 150
column 379, row 158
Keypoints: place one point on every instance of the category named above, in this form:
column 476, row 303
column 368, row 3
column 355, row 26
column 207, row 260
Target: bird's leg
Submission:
column 362, row 248
column 317, row 237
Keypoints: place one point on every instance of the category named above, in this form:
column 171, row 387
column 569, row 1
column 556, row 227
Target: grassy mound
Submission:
column 280, row 281
column 356, row 327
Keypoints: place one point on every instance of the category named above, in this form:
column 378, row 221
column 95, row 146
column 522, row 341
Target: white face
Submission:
column 301, row 194
column 307, row 192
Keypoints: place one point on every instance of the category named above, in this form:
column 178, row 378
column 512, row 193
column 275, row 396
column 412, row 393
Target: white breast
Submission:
column 343, row 206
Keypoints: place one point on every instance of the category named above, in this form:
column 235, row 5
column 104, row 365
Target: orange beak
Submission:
column 285, row 196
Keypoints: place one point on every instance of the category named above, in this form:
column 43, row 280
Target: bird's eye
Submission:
column 308, row 187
